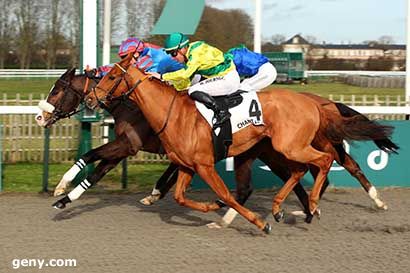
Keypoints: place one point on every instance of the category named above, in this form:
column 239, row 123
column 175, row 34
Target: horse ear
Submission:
column 72, row 72
column 66, row 73
column 127, row 60
column 69, row 73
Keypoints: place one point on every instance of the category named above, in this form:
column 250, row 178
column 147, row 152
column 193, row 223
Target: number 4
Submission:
column 254, row 110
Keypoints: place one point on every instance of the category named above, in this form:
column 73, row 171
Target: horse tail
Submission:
column 356, row 128
column 384, row 144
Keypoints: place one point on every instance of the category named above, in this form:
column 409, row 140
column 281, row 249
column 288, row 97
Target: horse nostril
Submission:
column 39, row 118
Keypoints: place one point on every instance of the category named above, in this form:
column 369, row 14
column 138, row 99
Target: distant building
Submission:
column 297, row 44
column 349, row 52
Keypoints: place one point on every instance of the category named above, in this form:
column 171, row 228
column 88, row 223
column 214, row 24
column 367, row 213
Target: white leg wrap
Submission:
column 72, row 173
column 373, row 195
column 155, row 192
column 229, row 216
column 80, row 189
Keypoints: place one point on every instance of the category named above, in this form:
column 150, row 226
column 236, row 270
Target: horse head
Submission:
column 63, row 99
column 115, row 83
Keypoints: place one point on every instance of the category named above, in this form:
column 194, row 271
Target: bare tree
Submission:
column 369, row 42
column 386, row 40
column 277, row 39
column 311, row 39
column 118, row 21
column 26, row 13
column 140, row 15
column 71, row 20
column 53, row 35
column 6, row 30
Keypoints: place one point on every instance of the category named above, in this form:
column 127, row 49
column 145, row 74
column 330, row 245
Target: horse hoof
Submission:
column 267, row 229
column 309, row 218
column 146, row 201
column 317, row 213
column 59, row 205
column 220, row 203
column 58, row 192
column 279, row 216
column 299, row 213
column 381, row 205
column 214, row 225
column 150, row 199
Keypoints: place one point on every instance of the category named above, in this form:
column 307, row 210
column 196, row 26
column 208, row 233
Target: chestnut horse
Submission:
column 291, row 133
column 69, row 90
column 132, row 135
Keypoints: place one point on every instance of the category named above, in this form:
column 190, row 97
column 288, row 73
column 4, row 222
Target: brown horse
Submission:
column 291, row 132
column 69, row 90
column 132, row 134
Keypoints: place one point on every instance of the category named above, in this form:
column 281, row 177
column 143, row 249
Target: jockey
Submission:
column 255, row 67
column 148, row 57
column 221, row 77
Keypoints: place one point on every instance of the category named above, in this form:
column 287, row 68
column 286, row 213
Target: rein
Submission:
column 130, row 90
column 58, row 114
column 168, row 114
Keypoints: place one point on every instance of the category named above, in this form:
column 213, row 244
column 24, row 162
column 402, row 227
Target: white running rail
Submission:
column 310, row 73
column 31, row 73
column 4, row 110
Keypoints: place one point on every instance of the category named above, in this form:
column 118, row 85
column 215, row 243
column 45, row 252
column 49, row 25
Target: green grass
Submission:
column 27, row 177
column 38, row 86
column 25, row 86
column 334, row 88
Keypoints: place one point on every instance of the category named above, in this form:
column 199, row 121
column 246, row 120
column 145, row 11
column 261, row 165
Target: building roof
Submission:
column 363, row 46
column 299, row 40
column 296, row 40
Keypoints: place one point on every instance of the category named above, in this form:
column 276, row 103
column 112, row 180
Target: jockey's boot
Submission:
column 221, row 115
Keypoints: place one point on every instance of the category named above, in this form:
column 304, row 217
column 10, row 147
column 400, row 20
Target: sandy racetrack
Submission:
column 113, row 233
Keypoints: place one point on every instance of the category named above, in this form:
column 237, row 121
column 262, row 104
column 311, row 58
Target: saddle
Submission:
column 230, row 101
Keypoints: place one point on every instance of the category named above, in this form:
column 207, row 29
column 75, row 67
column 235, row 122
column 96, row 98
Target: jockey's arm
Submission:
column 181, row 78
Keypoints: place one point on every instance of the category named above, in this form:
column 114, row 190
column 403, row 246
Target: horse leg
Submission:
column 163, row 185
column 102, row 168
column 354, row 169
column 297, row 172
column 108, row 151
column 309, row 155
column 211, row 177
column 283, row 172
column 243, row 177
column 314, row 172
column 184, row 179
column 324, row 162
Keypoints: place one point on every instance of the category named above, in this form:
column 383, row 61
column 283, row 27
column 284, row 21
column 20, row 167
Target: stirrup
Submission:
column 221, row 119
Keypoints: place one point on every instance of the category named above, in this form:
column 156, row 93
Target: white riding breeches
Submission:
column 266, row 76
column 219, row 85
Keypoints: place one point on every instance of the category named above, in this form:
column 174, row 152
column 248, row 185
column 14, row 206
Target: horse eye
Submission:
column 111, row 77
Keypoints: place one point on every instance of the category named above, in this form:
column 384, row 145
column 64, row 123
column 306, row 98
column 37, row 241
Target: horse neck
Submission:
column 78, row 84
column 154, row 100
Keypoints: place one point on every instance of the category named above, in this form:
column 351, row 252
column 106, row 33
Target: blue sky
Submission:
column 333, row 21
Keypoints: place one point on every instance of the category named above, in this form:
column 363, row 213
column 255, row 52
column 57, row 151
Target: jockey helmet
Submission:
column 130, row 45
column 175, row 41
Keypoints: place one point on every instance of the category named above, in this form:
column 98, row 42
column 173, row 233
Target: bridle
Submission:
column 130, row 88
column 58, row 113
column 109, row 94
